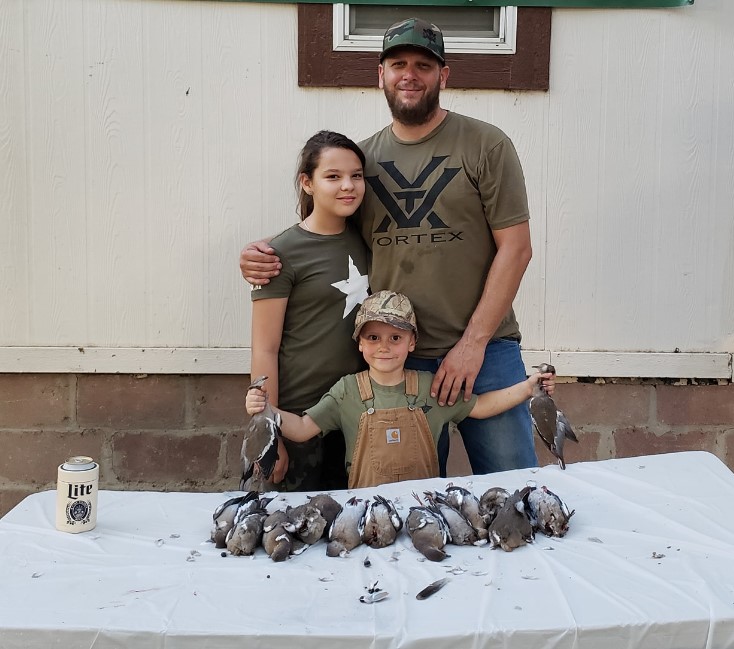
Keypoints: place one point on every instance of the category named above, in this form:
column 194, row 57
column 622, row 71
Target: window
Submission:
column 472, row 30
column 320, row 65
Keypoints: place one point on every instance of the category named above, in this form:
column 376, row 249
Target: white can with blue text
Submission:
column 76, row 495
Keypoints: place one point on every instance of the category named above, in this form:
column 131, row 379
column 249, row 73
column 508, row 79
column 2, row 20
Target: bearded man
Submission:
column 445, row 215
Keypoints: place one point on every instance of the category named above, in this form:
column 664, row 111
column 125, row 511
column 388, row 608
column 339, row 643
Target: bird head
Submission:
column 258, row 382
column 544, row 368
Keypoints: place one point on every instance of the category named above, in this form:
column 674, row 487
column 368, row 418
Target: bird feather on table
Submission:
column 260, row 444
column 549, row 422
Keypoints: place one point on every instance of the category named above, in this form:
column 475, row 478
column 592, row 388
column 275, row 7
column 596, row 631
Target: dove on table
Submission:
column 460, row 529
column 381, row 524
column 428, row 530
column 468, row 504
column 224, row 516
column 491, row 501
column 328, row 507
column 260, row 444
column 548, row 513
column 511, row 527
column 306, row 523
column 549, row 422
column 346, row 531
column 247, row 533
column 277, row 541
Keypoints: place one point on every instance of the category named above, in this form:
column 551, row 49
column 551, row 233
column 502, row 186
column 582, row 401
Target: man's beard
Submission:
column 418, row 113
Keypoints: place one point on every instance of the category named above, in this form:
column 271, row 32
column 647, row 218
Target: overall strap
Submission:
column 411, row 383
column 365, row 387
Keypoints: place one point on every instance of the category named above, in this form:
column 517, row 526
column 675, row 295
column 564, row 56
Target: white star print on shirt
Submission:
column 354, row 287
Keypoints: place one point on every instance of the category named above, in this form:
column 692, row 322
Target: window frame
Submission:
column 528, row 69
column 502, row 43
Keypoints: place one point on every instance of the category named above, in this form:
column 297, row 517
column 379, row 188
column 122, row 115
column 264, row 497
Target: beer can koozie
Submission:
column 76, row 495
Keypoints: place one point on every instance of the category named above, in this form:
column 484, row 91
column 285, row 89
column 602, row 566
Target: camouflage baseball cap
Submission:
column 414, row 32
column 386, row 306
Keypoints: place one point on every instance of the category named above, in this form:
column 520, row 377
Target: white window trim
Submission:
column 503, row 44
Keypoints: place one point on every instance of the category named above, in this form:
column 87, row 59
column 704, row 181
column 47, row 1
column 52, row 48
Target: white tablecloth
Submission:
column 648, row 562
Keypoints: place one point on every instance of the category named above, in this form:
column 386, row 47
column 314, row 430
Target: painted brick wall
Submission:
column 183, row 433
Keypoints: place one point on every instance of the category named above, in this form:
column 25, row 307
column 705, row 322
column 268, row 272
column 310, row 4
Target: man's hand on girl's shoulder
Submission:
column 258, row 262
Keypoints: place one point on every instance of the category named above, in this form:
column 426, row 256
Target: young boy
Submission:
column 390, row 422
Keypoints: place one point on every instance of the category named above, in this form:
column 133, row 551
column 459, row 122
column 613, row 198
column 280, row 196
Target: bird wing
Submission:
column 543, row 414
column 259, row 447
column 232, row 502
column 269, row 455
column 565, row 426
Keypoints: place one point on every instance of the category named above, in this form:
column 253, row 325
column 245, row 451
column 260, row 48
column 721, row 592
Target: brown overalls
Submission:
column 392, row 444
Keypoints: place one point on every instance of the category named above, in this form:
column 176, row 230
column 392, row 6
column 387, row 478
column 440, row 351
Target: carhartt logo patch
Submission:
column 393, row 435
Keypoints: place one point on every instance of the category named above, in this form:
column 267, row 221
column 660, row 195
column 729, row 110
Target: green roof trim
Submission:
column 587, row 4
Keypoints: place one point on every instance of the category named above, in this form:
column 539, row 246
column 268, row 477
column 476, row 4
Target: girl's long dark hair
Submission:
column 309, row 158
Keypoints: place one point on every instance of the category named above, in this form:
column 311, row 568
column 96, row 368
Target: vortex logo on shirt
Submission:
column 414, row 203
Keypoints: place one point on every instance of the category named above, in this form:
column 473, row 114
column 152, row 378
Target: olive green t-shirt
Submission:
column 428, row 216
column 324, row 278
column 341, row 407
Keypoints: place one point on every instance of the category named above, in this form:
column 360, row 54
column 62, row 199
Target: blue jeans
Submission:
column 502, row 442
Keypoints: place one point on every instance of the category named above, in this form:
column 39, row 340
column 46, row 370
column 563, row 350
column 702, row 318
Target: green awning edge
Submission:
column 586, row 4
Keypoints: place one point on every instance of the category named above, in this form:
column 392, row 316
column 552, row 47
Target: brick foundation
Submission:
column 183, row 433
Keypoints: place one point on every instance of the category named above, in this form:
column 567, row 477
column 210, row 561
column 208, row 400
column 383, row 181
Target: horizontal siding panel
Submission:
column 613, row 364
column 236, row 360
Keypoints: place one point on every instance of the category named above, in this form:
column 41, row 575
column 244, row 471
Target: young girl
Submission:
column 302, row 321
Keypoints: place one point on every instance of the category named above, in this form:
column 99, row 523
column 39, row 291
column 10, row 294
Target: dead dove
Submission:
column 278, row 542
column 260, row 445
column 468, row 504
column 224, row 517
column 346, row 531
column 328, row 507
column 428, row 531
column 247, row 533
column 511, row 528
column 460, row 529
column 550, row 423
column 491, row 502
column 381, row 524
column 548, row 513
column 306, row 523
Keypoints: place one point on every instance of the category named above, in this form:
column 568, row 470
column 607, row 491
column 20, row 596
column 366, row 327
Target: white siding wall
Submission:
column 143, row 142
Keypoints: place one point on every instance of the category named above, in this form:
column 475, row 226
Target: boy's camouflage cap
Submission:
column 414, row 32
column 386, row 306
